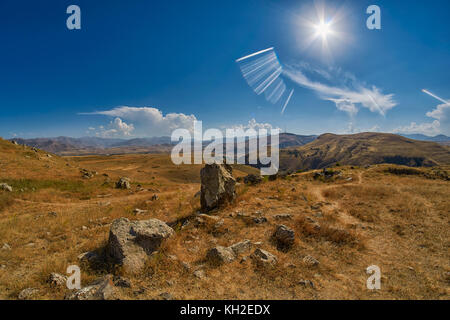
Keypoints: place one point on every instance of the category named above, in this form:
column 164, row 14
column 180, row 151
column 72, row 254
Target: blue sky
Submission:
column 170, row 62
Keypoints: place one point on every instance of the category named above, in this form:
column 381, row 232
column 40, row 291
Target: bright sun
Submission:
column 323, row 29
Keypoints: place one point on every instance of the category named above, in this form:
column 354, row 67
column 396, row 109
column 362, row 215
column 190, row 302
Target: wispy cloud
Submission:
column 342, row 88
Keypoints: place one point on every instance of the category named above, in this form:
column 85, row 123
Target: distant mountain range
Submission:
column 422, row 137
column 92, row 145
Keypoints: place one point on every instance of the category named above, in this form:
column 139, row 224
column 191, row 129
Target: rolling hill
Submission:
column 363, row 149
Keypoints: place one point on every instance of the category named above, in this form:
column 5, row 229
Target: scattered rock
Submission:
column 6, row 247
column 131, row 241
column 252, row 179
column 259, row 220
column 284, row 216
column 218, row 186
column 241, row 247
column 57, row 280
column 89, row 256
column 166, row 296
column 14, row 142
column 101, row 289
column 199, row 274
column 5, row 187
column 122, row 282
column 263, row 258
column 310, row 261
column 306, row 283
column 139, row 211
column 155, row 197
column 220, row 255
column 27, row 293
column 123, row 183
column 284, row 236
column 52, row 213
column 84, row 228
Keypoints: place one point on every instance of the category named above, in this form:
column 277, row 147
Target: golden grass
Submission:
column 399, row 223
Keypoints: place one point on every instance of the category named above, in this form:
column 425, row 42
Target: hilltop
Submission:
column 364, row 149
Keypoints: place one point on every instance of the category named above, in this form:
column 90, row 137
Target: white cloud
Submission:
column 252, row 124
column 116, row 129
column 441, row 124
column 148, row 121
column 347, row 93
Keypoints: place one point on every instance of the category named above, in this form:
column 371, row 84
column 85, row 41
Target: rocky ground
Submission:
column 159, row 234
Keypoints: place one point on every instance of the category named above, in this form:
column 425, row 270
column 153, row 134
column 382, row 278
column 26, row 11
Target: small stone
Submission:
column 101, row 289
column 56, row 280
column 166, row 296
column 285, row 216
column 241, row 247
column 199, row 274
column 139, row 211
column 6, row 247
column 220, row 255
column 89, row 256
column 52, row 213
column 84, row 228
column 264, row 258
column 27, row 293
column 5, row 187
column 155, row 197
column 122, row 282
column 310, row 261
column 306, row 283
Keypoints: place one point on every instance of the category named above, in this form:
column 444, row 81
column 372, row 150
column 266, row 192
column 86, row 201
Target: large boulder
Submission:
column 218, row 186
column 130, row 242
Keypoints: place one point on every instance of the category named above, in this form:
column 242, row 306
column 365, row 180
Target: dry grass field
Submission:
column 395, row 219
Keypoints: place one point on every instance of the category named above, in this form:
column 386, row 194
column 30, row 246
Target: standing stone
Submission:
column 218, row 186
column 130, row 242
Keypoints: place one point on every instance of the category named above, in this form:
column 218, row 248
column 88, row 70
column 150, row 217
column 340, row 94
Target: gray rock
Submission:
column 56, row 280
column 220, row 255
column 241, row 247
column 155, row 197
column 130, row 242
column 123, row 183
column 217, row 186
column 101, row 289
column 306, row 283
column 284, row 236
column 122, row 282
column 27, row 293
column 6, row 247
column 166, row 296
column 5, row 187
column 263, row 258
